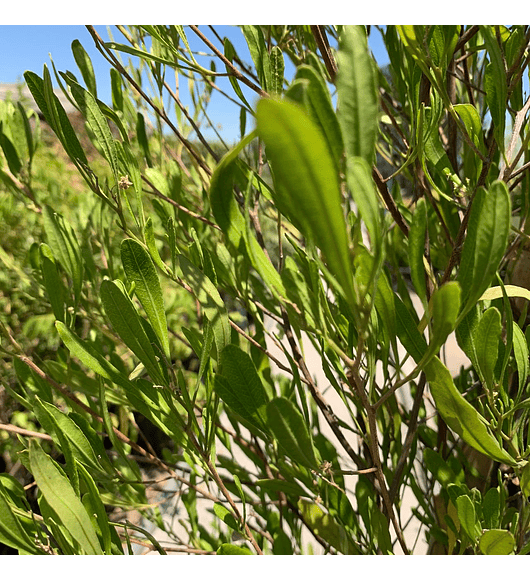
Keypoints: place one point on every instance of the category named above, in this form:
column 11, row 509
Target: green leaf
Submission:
column 460, row 415
column 89, row 356
column 485, row 244
column 64, row 246
column 416, row 249
column 60, row 496
column 99, row 125
column 487, row 336
column 466, row 514
column 140, row 269
column 495, row 83
column 209, row 298
column 275, row 486
column 438, row 467
column 230, row 219
column 126, row 322
column 525, row 481
column 445, row 304
column 232, row 550
column 85, row 66
column 359, row 178
column 307, row 186
column 407, row 331
column 225, row 515
column 318, row 104
column 12, row 533
column 260, row 55
column 52, row 281
column 277, row 69
column 238, row 384
column 357, row 94
column 54, row 113
column 80, row 445
column 290, row 430
column 497, row 543
column 324, row 525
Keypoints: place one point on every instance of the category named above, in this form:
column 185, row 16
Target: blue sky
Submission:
column 29, row 48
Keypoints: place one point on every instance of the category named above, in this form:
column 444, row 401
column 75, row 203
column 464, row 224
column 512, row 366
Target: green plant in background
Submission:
column 161, row 302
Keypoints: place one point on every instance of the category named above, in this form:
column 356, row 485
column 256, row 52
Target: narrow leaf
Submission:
column 357, row 94
column 290, row 430
column 126, row 322
column 60, row 496
column 307, row 186
column 140, row 269
column 460, row 415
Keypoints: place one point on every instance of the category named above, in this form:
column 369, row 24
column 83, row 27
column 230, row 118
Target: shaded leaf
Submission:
column 290, row 430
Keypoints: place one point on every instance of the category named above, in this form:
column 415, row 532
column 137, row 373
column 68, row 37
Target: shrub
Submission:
column 161, row 307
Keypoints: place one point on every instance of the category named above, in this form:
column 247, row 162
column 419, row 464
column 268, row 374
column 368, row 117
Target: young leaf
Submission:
column 140, row 269
column 290, row 430
column 497, row 543
column 357, row 94
column 307, row 186
column 260, row 55
column 60, row 496
column 126, row 322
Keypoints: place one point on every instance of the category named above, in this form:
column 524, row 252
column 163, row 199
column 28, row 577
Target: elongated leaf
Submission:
column 80, row 445
column 317, row 101
column 210, row 300
column 260, row 55
column 416, row 250
column 54, row 113
column 358, row 176
column 467, row 515
column 520, row 351
column 307, row 186
column 52, row 281
column 495, row 85
column 324, row 525
column 85, row 66
column 88, row 355
column 277, row 69
column 233, row 550
column 497, row 543
column 231, row 220
column 140, row 269
column 12, row 533
column 487, row 237
column 240, row 387
column 445, row 308
column 357, row 94
column 126, row 323
column 99, row 125
column 488, row 334
column 60, row 496
column 460, row 415
column 64, row 246
column 408, row 333
column 290, row 430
